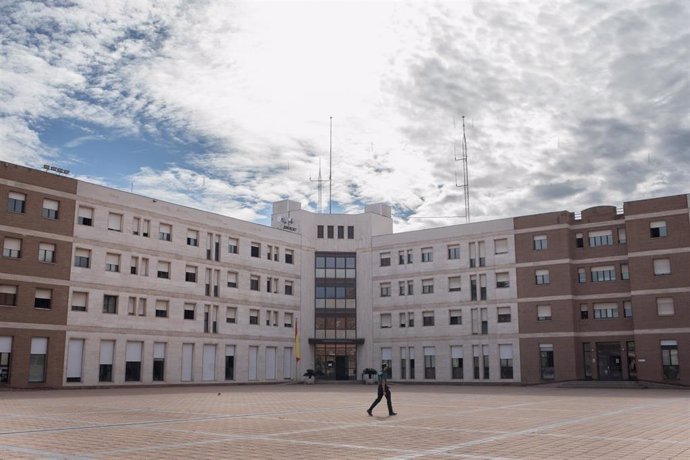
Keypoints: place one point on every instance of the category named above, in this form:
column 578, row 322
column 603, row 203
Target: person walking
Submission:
column 383, row 389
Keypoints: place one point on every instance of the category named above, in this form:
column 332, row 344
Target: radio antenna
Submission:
column 330, row 169
column 465, row 170
column 319, row 186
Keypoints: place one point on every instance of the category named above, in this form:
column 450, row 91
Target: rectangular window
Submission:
column 386, row 321
column 288, row 287
column 319, row 231
column 403, row 319
column 146, row 228
column 43, row 298
column 581, row 275
column 427, row 318
column 410, row 256
column 50, row 209
column 542, row 277
column 454, row 284
column 110, row 304
column 114, row 222
column 456, row 362
column 473, row 255
column 232, row 279
column 664, row 306
column 385, row 259
column 85, row 216
column 484, row 312
column 625, row 272
column 16, row 202
column 105, row 368
column 455, row 317
column 627, row 309
column 79, row 300
column 622, row 236
column 410, row 319
column 584, row 311
column 662, row 267
column 231, row 315
column 579, row 240
column 75, row 356
column 546, row 361
column 134, row 265
column 669, row 359
column 12, row 248
column 658, row 229
column 112, row 262
column 600, row 238
column 256, row 250
column 341, row 232
column 401, row 257
column 605, row 310
column 453, row 251
column 473, row 287
column 427, row 255
column 136, row 225
column 504, row 315
column 430, row 363
column 46, row 252
column 161, row 308
column 482, row 287
column 330, row 230
column 8, row 295
column 540, row 242
column 233, row 246
column 350, row 232
column 502, row 280
column 602, row 274
column 254, row 282
column 192, row 237
column 190, row 273
column 501, row 246
column 37, row 359
column 158, row 362
column 401, row 288
column 385, row 289
column 253, row 316
column 428, row 286
column 482, row 253
column 163, row 269
column 287, row 319
column 133, row 361
column 505, row 355
column 289, row 256
column 543, row 312
column 229, row 362
column 189, row 311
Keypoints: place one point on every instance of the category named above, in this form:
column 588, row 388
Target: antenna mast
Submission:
column 466, row 181
column 330, row 170
column 319, row 186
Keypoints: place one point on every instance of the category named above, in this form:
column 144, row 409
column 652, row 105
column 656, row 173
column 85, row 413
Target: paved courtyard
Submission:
column 325, row 421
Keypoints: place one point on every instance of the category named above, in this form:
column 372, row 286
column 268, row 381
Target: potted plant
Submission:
column 309, row 374
column 368, row 375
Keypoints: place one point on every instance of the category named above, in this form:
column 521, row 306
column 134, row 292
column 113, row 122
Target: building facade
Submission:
column 100, row 287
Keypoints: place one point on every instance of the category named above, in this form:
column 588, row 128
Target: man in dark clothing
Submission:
column 383, row 390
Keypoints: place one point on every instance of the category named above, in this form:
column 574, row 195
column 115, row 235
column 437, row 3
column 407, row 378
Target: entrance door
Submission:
column 609, row 361
column 341, row 368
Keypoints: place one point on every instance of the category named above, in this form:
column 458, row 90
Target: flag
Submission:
column 298, row 355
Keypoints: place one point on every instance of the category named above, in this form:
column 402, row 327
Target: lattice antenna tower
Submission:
column 319, row 187
column 465, row 171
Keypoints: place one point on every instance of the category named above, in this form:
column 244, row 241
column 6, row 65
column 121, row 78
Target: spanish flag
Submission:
column 298, row 355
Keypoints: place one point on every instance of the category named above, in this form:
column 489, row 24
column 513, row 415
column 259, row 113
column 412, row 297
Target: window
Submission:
column 232, row 279
column 501, row 246
column 401, row 257
column 163, row 269
column 329, row 230
column 158, row 362
column 546, row 361
column 319, row 231
column 401, row 287
column 669, row 359
column 190, row 272
column 484, row 312
column 16, row 202
column 385, row 258
column 231, row 315
column 287, row 319
column 542, row 276
column 350, row 232
column 453, row 251
column 605, row 310
column 504, row 315
column 5, row 358
column 161, row 308
column 579, row 240
column 505, row 355
column 288, row 287
column 8, row 295
column 454, row 284
column 622, row 236
column 410, row 319
column 136, row 225
column 627, row 309
column 85, row 216
column 600, row 238
column 387, row 359
column 112, row 262
column 601, row 274
column 256, row 250
column 540, row 242
column 132, row 307
column 46, row 252
column 455, row 317
column 473, row 287
column 105, row 368
column 43, row 298
column 428, row 286
column 625, row 272
column 543, row 312
column 253, row 316
column 12, row 248
column 110, row 304
column 37, row 359
column 233, row 246
column 385, row 289
column 581, row 275
column 409, row 256
column 142, row 306
column 584, row 311
column 254, row 282
column 289, row 256
column 133, row 361
column 134, row 265
column 386, row 321
column 341, row 232
column 82, row 258
column 192, row 238
column 429, row 362
column 427, row 318
column 664, row 306
column 50, row 209
column 456, row 361
column 427, row 255
column 114, row 222
column 658, row 229
column 403, row 319
column 189, row 311
column 229, row 362
column 502, row 280
column 662, row 267
column 79, row 301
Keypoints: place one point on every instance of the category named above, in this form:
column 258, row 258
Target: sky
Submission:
column 229, row 106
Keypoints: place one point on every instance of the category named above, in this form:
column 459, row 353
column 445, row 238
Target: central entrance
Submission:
column 609, row 362
column 335, row 361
